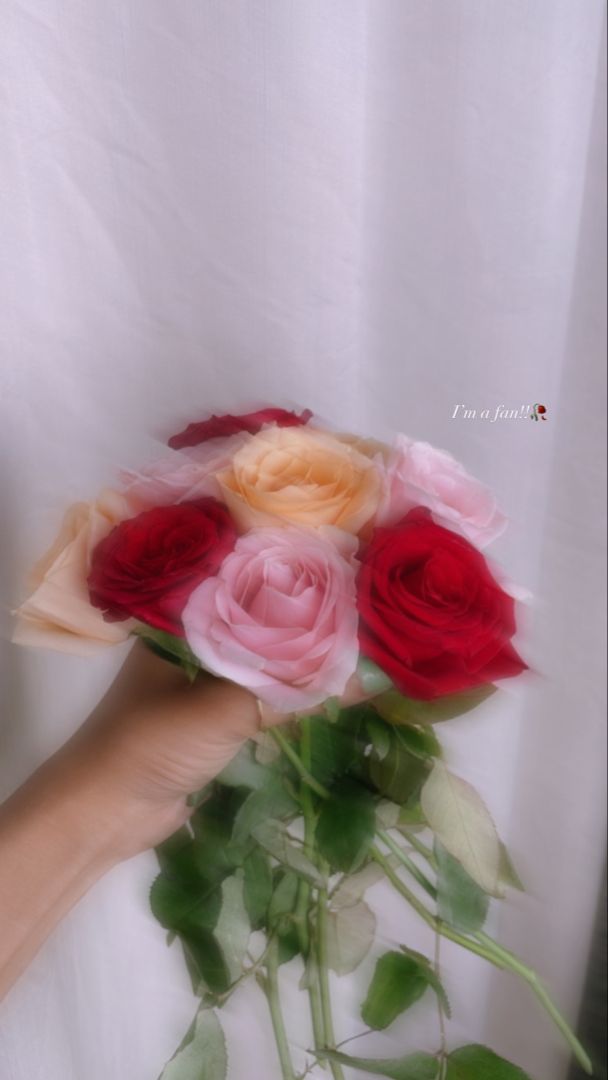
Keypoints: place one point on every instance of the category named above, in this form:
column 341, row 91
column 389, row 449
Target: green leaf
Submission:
column 281, row 911
column 257, row 886
column 180, row 905
column 460, row 901
column 479, row 1063
column 353, row 887
column 272, row 836
column 202, row 1055
column 284, row 897
column 350, row 933
column 333, row 750
column 346, row 826
column 176, row 857
column 459, row 818
column 233, row 929
column 289, row 943
column 400, row 774
column 174, row 649
column 379, row 735
column 271, row 801
column 431, row 976
column 507, row 874
column 216, row 852
column 398, row 709
column 203, row 951
column 266, row 750
column 419, row 741
column 373, row 680
column 387, row 814
column 410, row 814
column 412, row 1067
column 398, row 982
column 245, row 771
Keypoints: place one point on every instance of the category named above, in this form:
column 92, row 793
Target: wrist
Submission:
column 101, row 808
column 54, row 848
column 68, row 800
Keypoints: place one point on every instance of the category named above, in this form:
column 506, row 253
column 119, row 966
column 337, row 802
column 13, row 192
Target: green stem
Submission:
column 410, row 865
column 482, row 945
column 443, row 1053
column 305, row 892
column 297, row 763
column 421, row 848
column 246, row 974
column 489, row 950
column 511, row 961
column 274, row 1004
column 328, row 1024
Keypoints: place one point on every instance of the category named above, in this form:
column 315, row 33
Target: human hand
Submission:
column 153, row 740
column 117, row 787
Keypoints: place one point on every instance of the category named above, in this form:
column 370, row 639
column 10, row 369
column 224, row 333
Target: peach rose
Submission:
column 301, row 476
column 59, row 614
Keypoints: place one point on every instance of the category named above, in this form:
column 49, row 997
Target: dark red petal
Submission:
column 217, row 427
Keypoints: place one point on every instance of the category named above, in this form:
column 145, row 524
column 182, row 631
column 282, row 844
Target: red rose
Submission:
column 431, row 614
column 221, row 426
column 148, row 565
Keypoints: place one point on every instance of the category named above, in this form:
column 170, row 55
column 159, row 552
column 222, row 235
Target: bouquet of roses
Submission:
column 341, row 581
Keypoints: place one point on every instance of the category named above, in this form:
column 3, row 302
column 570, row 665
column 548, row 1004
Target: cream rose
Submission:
column 59, row 614
column 301, row 476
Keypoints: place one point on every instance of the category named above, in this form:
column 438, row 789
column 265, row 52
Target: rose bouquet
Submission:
column 341, row 581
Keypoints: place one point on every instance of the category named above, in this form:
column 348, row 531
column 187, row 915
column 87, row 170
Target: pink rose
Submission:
column 417, row 474
column 280, row 616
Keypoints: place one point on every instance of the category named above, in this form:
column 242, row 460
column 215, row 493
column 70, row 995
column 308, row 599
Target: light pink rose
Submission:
column 280, row 616
column 59, row 614
column 179, row 476
column 417, row 474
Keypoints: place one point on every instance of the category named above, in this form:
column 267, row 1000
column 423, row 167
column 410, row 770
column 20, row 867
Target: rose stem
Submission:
column 421, row 878
column 303, row 908
column 321, row 1008
column 271, row 987
column 483, row 945
column 291, row 754
column 328, row 1024
column 421, row 848
column 495, row 954
column 510, row 961
column 443, row 1056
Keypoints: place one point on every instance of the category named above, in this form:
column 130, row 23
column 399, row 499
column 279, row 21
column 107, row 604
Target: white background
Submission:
column 380, row 209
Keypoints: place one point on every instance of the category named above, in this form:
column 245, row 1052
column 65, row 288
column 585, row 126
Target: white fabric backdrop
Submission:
column 380, row 209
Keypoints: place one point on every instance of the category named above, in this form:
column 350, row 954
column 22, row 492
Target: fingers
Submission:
column 144, row 670
column 230, row 711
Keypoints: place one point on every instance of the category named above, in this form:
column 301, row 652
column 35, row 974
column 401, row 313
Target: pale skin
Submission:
column 118, row 786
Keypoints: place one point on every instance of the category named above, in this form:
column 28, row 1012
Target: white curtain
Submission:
column 381, row 210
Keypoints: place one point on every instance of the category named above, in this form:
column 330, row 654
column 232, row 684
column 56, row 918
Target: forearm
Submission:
column 57, row 837
column 118, row 787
